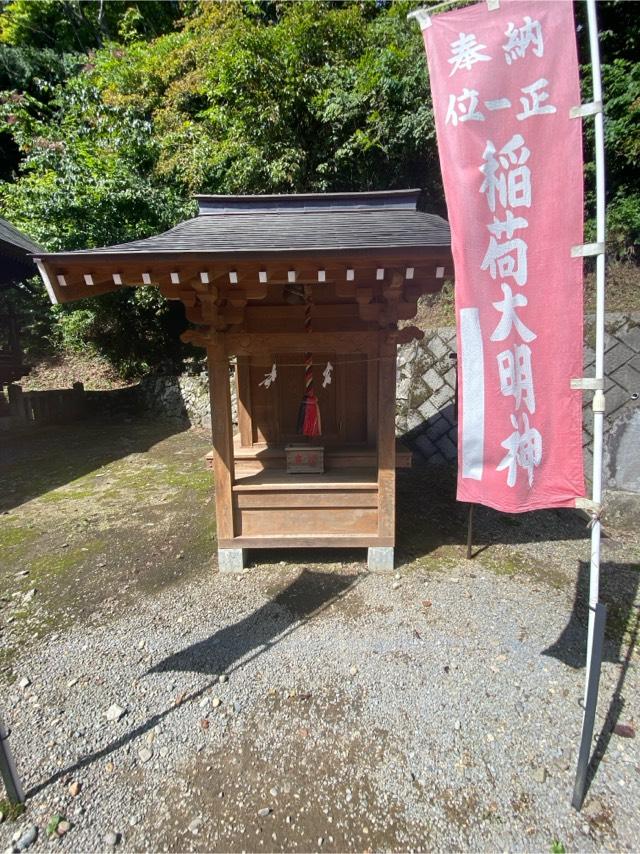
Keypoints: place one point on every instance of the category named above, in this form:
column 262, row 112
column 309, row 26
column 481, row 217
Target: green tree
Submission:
column 114, row 114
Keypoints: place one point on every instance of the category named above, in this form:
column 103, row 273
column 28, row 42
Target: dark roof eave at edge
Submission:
column 139, row 255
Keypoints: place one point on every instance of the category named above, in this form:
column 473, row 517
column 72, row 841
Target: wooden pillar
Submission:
column 387, row 441
column 372, row 394
column 222, row 435
column 243, row 395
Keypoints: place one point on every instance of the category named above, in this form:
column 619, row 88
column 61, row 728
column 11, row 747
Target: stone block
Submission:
column 447, row 448
column 631, row 338
column 610, row 341
column 442, row 398
column 448, row 412
column 617, row 356
column 433, row 379
column 622, row 509
column 589, row 357
column 437, row 427
column 415, row 419
column 448, row 335
column 450, row 378
column 588, row 461
column 231, row 560
column 628, row 378
column 403, row 389
column 380, row 559
column 427, row 410
column 621, row 458
column 616, row 399
column 635, row 363
column 407, row 353
column 426, row 446
column 438, row 348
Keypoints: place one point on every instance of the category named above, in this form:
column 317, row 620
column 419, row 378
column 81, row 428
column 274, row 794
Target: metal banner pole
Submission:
column 597, row 613
column 470, row 533
column 8, row 770
column 598, row 397
column 591, row 702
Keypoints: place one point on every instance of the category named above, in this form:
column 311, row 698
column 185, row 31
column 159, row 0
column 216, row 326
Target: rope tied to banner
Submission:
column 596, row 516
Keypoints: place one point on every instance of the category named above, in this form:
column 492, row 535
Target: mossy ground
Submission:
column 11, row 811
column 94, row 515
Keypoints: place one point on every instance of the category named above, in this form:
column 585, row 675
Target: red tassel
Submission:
column 312, row 426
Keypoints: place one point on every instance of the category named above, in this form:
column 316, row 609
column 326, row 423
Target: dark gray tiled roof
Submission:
column 14, row 242
column 335, row 221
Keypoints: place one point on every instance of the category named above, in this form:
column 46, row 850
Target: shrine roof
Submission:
column 292, row 223
column 15, row 249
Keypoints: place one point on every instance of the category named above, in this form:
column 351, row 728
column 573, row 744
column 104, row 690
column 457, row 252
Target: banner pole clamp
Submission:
column 421, row 16
column 587, row 383
column 493, row 5
column 598, row 404
column 583, row 110
column 584, row 250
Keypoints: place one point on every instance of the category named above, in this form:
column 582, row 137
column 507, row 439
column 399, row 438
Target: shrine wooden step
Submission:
column 261, row 457
column 275, row 480
column 339, row 502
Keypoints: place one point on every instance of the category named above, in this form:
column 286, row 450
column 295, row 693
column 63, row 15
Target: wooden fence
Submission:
column 54, row 406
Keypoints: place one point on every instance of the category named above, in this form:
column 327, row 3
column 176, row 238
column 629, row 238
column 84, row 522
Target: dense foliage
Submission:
column 115, row 113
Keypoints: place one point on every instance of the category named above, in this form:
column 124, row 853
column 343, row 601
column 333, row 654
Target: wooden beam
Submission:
column 222, row 436
column 318, row 542
column 296, row 312
column 202, row 337
column 246, row 343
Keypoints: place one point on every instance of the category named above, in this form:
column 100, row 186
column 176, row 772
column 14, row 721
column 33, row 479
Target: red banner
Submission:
column 503, row 83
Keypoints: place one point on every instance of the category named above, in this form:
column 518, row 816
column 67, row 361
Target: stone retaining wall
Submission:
column 426, row 395
column 426, row 398
column 185, row 396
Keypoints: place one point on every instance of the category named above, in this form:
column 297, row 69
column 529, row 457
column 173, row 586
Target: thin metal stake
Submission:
column 470, row 532
column 8, row 770
column 591, row 702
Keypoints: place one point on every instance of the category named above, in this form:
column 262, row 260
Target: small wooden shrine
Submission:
column 303, row 293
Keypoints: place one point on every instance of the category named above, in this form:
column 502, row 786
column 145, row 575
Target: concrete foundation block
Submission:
column 380, row 559
column 231, row 560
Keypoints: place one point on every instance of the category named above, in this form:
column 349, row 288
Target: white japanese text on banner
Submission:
column 503, row 83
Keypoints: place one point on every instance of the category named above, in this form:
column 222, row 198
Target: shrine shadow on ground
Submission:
column 232, row 647
column 36, row 460
column 310, row 593
column 429, row 516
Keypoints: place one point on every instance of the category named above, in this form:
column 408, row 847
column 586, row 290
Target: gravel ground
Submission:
column 361, row 718
column 311, row 706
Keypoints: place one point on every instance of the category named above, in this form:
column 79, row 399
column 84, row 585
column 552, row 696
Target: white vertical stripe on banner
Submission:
column 472, row 394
